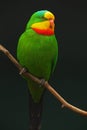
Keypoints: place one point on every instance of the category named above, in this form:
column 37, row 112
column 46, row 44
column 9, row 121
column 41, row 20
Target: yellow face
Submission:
column 47, row 24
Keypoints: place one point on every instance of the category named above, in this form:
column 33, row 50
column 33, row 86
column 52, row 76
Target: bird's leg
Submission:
column 23, row 70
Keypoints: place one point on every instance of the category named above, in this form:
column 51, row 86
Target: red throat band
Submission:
column 44, row 32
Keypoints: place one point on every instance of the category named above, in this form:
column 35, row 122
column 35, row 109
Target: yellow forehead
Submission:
column 49, row 15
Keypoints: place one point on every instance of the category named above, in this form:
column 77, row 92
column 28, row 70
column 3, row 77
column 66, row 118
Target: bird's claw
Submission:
column 42, row 82
column 23, row 70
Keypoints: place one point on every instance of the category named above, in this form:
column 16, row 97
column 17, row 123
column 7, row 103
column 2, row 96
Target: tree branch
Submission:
column 46, row 84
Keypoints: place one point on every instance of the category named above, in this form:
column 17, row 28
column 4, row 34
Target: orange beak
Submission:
column 52, row 23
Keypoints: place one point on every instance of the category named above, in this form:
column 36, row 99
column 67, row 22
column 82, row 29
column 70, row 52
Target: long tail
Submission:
column 35, row 113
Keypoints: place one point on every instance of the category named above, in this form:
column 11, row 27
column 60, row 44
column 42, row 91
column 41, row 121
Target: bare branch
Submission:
column 46, row 84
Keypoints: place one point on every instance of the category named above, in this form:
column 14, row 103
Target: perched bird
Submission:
column 37, row 51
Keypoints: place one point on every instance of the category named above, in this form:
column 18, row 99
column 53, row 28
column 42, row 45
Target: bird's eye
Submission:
column 43, row 18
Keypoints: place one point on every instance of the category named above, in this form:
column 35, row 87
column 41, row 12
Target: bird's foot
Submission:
column 42, row 82
column 23, row 70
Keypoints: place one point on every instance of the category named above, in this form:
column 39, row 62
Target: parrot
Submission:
column 37, row 52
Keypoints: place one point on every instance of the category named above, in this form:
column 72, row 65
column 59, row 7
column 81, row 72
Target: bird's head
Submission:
column 42, row 22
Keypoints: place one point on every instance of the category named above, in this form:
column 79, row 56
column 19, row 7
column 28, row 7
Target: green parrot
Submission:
column 37, row 51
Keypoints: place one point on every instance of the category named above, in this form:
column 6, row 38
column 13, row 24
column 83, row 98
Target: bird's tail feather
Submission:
column 35, row 113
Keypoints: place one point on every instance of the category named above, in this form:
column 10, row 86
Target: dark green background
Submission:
column 69, row 78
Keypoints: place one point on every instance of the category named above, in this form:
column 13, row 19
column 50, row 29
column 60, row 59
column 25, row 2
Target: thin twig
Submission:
column 46, row 84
